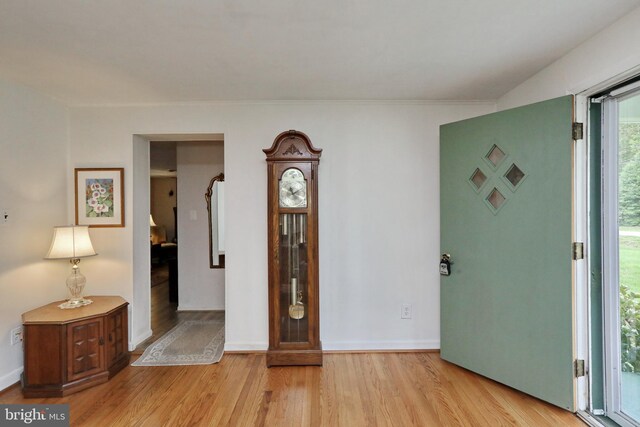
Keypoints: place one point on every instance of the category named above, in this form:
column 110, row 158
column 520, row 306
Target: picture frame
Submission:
column 99, row 197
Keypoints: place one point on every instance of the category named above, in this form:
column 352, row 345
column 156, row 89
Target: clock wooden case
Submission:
column 294, row 318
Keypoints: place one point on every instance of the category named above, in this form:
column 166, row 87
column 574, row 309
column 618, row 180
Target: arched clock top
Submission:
column 291, row 146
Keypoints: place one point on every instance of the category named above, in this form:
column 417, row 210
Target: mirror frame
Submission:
column 207, row 197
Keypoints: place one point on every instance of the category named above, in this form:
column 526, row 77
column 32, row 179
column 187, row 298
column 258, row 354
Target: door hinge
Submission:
column 577, row 131
column 578, row 368
column 577, row 251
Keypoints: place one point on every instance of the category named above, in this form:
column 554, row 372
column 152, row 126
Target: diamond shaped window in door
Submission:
column 514, row 176
column 477, row 180
column 495, row 156
column 495, row 200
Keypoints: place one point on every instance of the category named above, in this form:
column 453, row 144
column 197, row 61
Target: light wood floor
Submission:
column 367, row 389
column 163, row 313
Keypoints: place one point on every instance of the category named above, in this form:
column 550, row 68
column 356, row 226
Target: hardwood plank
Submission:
column 417, row 402
column 365, row 389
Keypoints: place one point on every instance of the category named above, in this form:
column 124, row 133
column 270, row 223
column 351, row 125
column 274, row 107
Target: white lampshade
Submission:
column 70, row 242
column 151, row 223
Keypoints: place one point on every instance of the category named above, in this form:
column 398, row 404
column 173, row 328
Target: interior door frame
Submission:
column 581, row 267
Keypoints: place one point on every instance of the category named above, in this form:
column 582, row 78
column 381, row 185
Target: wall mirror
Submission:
column 215, row 209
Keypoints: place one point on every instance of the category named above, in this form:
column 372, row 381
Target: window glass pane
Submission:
column 478, row 178
column 629, row 253
column 514, row 175
column 495, row 155
column 496, row 199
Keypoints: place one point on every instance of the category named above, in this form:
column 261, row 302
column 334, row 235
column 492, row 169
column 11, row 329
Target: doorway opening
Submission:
column 181, row 286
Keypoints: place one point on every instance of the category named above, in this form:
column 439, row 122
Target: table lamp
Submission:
column 72, row 243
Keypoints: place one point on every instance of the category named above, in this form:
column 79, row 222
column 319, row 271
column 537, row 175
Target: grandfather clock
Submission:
column 294, row 318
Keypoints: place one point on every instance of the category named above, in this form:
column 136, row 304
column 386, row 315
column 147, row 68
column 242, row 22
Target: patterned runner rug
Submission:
column 192, row 342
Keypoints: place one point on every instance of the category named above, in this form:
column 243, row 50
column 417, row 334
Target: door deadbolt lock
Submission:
column 445, row 264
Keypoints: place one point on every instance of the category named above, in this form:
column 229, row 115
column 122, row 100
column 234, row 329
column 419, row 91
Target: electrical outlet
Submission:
column 16, row 335
column 405, row 312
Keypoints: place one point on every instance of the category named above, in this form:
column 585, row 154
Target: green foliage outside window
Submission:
column 629, row 216
column 630, row 326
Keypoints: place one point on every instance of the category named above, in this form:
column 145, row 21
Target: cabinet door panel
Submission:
column 85, row 348
column 116, row 336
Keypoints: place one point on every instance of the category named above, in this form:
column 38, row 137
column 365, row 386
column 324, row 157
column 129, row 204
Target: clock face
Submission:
column 293, row 189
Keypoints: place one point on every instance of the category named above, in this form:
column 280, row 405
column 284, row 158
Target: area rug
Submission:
column 192, row 342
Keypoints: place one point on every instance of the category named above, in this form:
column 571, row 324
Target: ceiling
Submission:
column 155, row 51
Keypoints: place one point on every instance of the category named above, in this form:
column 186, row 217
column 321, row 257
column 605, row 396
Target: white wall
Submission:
column 378, row 209
column 199, row 286
column 33, row 190
column 138, row 230
column 610, row 53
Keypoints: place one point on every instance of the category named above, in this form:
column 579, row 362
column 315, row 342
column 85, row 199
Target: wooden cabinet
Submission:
column 66, row 351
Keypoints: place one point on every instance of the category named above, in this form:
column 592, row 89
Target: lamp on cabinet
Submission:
column 72, row 243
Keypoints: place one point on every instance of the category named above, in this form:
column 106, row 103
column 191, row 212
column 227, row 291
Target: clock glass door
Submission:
column 293, row 278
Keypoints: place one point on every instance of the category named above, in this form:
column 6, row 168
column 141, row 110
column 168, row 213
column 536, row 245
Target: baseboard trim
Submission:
column 345, row 346
column 10, row 379
column 245, row 347
column 141, row 338
column 393, row 346
column 436, row 351
column 425, row 350
column 183, row 308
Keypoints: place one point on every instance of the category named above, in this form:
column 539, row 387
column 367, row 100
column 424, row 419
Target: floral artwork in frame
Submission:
column 100, row 197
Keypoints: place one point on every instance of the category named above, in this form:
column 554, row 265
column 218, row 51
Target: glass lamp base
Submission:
column 75, row 284
column 75, row 303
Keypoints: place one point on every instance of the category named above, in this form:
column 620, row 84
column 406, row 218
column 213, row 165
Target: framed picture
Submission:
column 100, row 197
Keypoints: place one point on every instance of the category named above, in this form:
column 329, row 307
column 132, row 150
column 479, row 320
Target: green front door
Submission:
column 506, row 220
